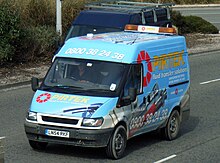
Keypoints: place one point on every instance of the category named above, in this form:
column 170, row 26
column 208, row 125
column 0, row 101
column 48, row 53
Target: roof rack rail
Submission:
column 131, row 7
column 127, row 5
column 146, row 4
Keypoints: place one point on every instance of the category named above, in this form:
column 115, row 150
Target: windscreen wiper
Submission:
column 63, row 87
column 99, row 90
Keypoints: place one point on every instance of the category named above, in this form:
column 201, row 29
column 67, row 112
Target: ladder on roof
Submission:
column 131, row 7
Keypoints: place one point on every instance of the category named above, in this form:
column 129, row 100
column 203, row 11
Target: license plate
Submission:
column 57, row 133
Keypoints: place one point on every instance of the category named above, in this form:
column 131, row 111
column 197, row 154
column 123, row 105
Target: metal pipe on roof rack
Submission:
column 167, row 4
column 143, row 18
column 126, row 6
column 168, row 14
column 114, row 5
column 155, row 15
column 131, row 3
column 114, row 8
column 99, row 5
column 140, row 3
column 131, row 7
column 146, row 3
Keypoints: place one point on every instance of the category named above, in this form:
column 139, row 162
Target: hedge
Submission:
column 9, row 31
column 192, row 24
column 28, row 27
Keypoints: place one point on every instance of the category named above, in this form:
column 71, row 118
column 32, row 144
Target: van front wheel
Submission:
column 117, row 143
column 173, row 125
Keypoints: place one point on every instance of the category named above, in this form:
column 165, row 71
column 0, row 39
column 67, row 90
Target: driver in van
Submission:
column 82, row 73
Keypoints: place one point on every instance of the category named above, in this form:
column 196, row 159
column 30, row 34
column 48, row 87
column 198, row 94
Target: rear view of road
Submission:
column 211, row 14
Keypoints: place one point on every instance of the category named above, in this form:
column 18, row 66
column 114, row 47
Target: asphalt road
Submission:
column 199, row 140
column 211, row 14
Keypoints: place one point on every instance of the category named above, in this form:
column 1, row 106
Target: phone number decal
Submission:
column 138, row 122
column 95, row 52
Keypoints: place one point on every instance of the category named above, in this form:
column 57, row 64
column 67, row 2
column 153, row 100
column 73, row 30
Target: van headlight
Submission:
column 32, row 116
column 92, row 122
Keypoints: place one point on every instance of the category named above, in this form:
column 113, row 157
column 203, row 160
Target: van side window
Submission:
column 134, row 79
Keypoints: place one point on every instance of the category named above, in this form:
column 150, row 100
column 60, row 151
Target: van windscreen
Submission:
column 87, row 77
column 82, row 30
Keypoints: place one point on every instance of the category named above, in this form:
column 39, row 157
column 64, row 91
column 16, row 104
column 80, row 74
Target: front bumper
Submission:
column 78, row 137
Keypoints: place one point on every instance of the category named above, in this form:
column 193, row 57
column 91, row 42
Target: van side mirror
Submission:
column 132, row 95
column 34, row 83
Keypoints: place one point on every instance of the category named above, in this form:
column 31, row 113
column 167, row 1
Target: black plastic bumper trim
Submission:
column 177, row 84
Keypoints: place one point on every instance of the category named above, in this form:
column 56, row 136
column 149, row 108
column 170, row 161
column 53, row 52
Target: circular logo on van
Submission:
column 43, row 97
column 144, row 56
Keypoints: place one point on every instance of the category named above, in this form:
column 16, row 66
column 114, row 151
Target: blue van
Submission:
column 103, row 17
column 101, row 90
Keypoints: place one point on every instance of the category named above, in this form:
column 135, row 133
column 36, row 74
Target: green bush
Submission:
column 40, row 12
column 195, row 24
column 27, row 27
column 70, row 10
column 178, row 20
column 6, row 50
column 192, row 24
column 9, row 30
column 38, row 42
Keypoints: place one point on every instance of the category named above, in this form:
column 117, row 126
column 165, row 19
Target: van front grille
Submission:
column 59, row 120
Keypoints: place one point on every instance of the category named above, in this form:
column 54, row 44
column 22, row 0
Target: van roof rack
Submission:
column 132, row 7
column 128, row 6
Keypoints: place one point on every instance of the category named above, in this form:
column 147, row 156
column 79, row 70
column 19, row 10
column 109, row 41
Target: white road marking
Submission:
column 14, row 88
column 165, row 159
column 2, row 142
column 210, row 81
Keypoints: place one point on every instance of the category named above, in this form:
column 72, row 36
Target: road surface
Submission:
column 199, row 141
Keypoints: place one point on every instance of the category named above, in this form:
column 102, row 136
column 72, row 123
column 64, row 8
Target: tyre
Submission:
column 38, row 145
column 173, row 125
column 117, row 143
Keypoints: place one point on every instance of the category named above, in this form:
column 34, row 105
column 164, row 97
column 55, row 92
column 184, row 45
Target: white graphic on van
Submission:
column 87, row 111
column 149, row 111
